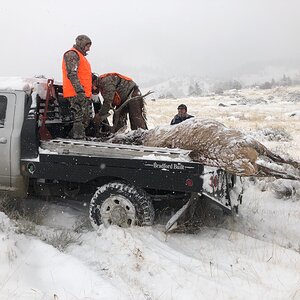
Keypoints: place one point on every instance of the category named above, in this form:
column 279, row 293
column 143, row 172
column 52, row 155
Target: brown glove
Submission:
column 98, row 119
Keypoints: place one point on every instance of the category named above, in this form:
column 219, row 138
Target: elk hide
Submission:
column 213, row 144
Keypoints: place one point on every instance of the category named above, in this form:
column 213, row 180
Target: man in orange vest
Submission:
column 115, row 89
column 77, row 84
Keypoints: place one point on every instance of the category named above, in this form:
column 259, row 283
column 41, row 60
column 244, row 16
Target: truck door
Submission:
column 7, row 111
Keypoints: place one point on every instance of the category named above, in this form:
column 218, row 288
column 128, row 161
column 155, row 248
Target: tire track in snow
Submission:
column 208, row 265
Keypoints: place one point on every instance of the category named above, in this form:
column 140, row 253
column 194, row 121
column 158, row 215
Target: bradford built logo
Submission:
column 168, row 166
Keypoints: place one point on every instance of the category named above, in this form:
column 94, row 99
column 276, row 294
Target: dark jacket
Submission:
column 177, row 119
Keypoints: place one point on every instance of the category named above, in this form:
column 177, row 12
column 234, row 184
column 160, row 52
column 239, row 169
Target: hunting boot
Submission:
column 77, row 132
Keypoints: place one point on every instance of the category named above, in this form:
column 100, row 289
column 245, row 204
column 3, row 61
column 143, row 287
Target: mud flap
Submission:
column 185, row 213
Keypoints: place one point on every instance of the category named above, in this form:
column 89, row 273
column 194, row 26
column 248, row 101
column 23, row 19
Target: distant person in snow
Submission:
column 115, row 90
column 77, row 84
column 182, row 115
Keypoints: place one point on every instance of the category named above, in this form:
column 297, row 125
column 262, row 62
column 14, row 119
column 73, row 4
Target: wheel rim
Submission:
column 117, row 210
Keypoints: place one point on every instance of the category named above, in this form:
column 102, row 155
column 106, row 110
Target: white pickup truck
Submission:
column 122, row 181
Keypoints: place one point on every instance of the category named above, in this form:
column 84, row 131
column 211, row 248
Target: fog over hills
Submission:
column 182, row 85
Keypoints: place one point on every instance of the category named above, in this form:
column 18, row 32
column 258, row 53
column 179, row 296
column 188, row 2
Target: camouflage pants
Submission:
column 81, row 111
column 136, row 111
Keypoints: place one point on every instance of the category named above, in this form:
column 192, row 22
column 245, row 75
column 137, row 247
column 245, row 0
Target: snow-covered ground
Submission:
column 254, row 256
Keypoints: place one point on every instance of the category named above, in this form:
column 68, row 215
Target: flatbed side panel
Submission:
column 117, row 162
column 147, row 174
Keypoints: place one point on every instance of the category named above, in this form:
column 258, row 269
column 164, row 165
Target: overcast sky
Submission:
column 149, row 39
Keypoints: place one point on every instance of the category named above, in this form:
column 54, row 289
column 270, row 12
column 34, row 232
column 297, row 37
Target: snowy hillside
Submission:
column 52, row 252
column 179, row 87
column 193, row 86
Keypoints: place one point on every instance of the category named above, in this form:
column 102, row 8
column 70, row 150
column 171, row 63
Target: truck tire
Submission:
column 121, row 204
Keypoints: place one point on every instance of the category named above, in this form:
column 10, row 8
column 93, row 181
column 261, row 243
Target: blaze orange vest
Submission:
column 117, row 98
column 116, row 74
column 84, row 76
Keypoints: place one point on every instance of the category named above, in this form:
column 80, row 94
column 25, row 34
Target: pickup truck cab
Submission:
column 12, row 182
column 121, row 182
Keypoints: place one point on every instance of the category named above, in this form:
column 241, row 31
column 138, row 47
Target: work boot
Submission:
column 77, row 132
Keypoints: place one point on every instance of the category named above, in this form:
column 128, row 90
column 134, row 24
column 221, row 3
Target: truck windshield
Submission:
column 3, row 105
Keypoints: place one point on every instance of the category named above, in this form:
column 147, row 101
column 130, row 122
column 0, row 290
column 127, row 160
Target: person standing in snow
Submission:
column 182, row 115
column 77, row 84
column 115, row 89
